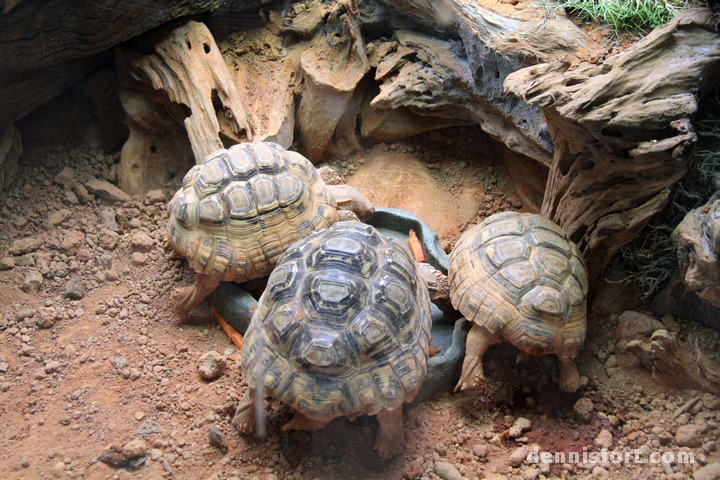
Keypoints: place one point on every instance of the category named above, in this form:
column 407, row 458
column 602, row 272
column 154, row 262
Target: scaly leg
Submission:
column 390, row 441
column 569, row 375
column 187, row 298
column 244, row 419
column 478, row 341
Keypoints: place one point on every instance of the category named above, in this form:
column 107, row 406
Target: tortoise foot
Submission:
column 569, row 376
column 390, row 441
column 244, row 419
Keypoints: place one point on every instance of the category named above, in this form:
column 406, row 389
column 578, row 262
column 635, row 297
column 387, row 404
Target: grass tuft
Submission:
column 626, row 14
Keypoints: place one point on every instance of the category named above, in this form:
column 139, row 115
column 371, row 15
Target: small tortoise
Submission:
column 519, row 278
column 242, row 207
column 343, row 329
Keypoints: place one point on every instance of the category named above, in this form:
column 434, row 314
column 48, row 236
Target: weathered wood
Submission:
column 38, row 33
column 622, row 131
column 677, row 363
column 187, row 74
column 492, row 46
column 332, row 67
column 48, row 45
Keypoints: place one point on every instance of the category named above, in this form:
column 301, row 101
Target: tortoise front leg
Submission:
column 478, row 340
column 187, row 298
column 390, row 441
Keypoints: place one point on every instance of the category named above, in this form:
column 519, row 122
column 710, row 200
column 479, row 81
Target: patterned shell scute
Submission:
column 238, row 211
column 343, row 326
column 519, row 274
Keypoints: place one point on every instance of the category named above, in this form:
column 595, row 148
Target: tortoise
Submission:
column 519, row 278
column 242, row 207
column 343, row 329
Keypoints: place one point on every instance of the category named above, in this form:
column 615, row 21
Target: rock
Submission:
column 134, row 448
column 120, row 362
column 66, row 177
column 711, row 471
column 518, row 456
column 75, row 289
column 141, row 242
column 106, row 191
column 480, row 451
column 147, row 428
column 604, row 439
column 216, row 439
column 139, row 415
column 138, row 258
column 81, row 193
column 25, row 245
column 71, row 242
column 7, row 263
column 689, row 436
column 48, row 316
column 4, row 366
column 446, row 471
column 211, row 365
column 633, row 324
column 57, row 218
column 599, row 473
column 583, row 409
column 108, row 239
column 519, row 426
column 53, row 367
column 107, row 219
column 711, row 402
column 155, row 196
column 32, row 281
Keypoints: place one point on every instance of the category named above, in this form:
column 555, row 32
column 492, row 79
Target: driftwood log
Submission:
column 622, row 131
column 677, row 363
column 462, row 77
column 186, row 79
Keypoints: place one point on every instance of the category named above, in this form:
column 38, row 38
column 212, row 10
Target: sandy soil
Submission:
column 83, row 373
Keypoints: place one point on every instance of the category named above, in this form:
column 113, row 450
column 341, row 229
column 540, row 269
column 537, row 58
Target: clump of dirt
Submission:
column 91, row 364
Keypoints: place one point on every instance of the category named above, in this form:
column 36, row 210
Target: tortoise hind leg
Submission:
column 244, row 418
column 390, row 441
column 478, row 340
column 187, row 298
column 569, row 376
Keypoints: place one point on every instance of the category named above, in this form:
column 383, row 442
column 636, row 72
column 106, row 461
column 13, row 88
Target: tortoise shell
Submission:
column 242, row 207
column 343, row 327
column 519, row 274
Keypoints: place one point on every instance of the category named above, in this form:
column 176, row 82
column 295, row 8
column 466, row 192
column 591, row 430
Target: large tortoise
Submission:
column 519, row 278
column 343, row 329
column 242, row 207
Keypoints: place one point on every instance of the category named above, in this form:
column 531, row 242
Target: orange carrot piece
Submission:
column 230, row 331
column 416, row 247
